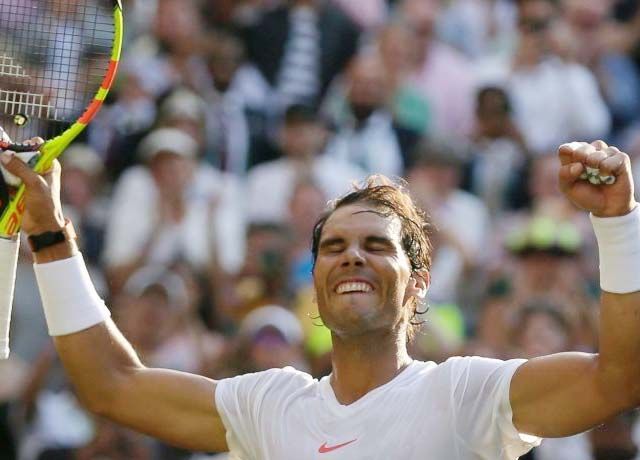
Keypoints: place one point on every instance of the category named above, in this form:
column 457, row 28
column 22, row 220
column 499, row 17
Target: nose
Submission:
column 353, row 256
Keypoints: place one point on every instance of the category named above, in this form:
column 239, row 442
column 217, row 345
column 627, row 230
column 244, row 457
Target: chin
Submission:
column 353, row 319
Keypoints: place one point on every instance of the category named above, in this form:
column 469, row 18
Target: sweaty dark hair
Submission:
column 389, row 198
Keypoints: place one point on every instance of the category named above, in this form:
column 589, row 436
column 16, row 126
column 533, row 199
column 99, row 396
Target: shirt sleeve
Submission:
column 482, row 409
column 249, row 406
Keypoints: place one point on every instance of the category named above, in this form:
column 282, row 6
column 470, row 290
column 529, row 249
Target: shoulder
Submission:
column 287, row 377
column 268, row 168
column 208, row 178
column 137, row 174
column 135, row 181
column 335, row 167
column 263, row 177
column 275, row 16
column 450, row 56
column 469, row 369
column 468, row 202
column 249, row 389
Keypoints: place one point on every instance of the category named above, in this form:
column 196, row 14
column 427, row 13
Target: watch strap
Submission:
column 46, row 239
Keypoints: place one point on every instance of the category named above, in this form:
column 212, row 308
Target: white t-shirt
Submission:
column 458, row 410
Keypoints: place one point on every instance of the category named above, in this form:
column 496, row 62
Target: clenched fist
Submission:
column 613, row 197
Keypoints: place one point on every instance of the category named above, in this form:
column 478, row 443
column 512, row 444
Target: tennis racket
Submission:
column 58, row 60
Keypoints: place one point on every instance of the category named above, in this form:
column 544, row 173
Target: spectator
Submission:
column 442, row 74
column 84, row 199
column 305, row 207
column 236, row 107
column 182, row 211
column 269, row 337
column 544, row 88
column 397, row 46
column 262, row 279
column 478, row 27
column 119, row 127
column 300, row 47
column 461, row 220
column 496, row 141
column 368, row 14
column 606, row 56
column 302, row 139
column 366, row 133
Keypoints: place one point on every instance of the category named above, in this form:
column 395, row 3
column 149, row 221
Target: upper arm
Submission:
column 173, row 406
column 563, row 394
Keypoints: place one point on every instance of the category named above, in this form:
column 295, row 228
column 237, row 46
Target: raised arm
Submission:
column 564, row 394
column 175, row 407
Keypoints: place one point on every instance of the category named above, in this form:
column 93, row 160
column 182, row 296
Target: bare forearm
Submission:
column 620, row 344
column 97, row 360
column 619, row 249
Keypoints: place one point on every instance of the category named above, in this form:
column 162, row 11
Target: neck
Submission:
column 361, row 364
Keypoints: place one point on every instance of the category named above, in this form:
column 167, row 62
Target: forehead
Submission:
column 360, row 220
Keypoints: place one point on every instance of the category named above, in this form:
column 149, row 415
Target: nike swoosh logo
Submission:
column 325, row 449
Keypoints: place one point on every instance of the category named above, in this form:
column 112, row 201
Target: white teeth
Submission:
column 353, row 287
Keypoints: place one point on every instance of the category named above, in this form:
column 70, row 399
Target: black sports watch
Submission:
column 46, row 239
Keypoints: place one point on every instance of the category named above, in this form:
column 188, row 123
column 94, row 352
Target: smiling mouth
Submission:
column 353, row 287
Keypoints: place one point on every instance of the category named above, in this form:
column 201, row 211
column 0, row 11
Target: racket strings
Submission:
column 53, row 56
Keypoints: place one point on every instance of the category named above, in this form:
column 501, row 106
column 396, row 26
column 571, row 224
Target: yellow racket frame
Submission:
column 11, row 218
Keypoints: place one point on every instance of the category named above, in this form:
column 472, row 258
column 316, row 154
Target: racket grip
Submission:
column 16, row 147
column 8, row 266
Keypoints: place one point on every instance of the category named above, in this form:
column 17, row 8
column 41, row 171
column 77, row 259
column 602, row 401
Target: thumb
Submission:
column 19, row 168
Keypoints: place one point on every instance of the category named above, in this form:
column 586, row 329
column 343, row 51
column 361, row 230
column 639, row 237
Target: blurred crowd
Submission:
column 233, row 122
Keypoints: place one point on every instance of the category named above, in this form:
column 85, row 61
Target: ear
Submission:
column 419, row 283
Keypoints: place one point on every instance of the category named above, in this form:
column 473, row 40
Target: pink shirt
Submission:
column 367, row 13
column 446, row 80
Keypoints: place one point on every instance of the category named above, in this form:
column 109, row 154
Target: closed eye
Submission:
column 379, row 244
column 332, row 246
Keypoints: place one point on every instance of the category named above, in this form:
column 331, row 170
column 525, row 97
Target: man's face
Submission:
column 367, row 85
column 171, row 171
column 300, row 139
column 535, row 20
column 224, row 61
column 362, row 275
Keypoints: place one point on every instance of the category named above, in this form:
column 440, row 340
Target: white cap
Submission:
column 84, row 158
column 183, row 104
column 171, row 140
column 154, row 275
column 276, row 317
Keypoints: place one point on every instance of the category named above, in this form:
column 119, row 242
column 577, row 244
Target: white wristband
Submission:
column 71, row 303
column 619, row 249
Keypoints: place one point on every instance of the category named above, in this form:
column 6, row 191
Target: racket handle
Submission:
column 8, row 266
column 16, row 147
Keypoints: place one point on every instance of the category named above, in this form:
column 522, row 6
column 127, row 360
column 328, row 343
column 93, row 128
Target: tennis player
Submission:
column 371, row 272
